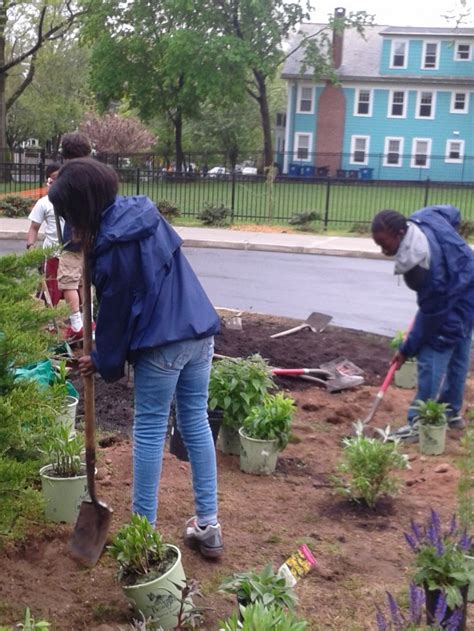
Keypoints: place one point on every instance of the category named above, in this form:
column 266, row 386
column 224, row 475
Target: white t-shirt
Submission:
column 43, row 212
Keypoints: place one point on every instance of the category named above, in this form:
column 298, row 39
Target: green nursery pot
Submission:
column 160, row 598
column 432, row 439
column 229, row 441
column 406, row 375
column 257, row 456
column 63, row 496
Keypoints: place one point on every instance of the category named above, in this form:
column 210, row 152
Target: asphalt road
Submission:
column 361, row 293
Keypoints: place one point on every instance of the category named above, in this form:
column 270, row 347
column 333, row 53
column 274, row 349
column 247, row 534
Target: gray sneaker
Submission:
column 456, row 422
column 407, row 433
column 207, row 540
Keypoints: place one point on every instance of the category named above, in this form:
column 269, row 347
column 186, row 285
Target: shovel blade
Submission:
column 90, row 533
column 318, row 321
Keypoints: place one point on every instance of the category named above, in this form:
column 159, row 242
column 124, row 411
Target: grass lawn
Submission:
column 346, row 203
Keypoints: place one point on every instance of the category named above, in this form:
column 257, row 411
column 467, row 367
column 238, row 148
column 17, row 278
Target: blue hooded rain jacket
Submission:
column 148, row 294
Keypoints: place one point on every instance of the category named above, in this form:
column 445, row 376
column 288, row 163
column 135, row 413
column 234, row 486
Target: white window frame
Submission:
column 392, row 53
column 418, row 105
column 423, row 56
column 299, row 98
column 366, row 150
column 357, row 101
column 401, row 140
column 298, row 135
column 413, row 164
column 456, row 50
column 459, row 160
column 390, row 104
column 452, row 109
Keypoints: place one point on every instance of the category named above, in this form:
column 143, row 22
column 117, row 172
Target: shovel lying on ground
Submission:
column 93, row 522
column 317, row 322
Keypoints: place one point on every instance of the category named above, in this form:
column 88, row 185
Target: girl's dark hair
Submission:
column 75, row 145
column 83, row 189
column 51, row 168
column 390, row 221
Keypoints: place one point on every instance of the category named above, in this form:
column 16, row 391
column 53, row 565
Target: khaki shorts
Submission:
column 70, row 270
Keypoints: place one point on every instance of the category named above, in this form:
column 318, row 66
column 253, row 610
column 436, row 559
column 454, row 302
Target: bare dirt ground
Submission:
column 360, row 553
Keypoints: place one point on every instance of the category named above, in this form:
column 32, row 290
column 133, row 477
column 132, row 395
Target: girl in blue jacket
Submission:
column 154, row 313
column 439, row 265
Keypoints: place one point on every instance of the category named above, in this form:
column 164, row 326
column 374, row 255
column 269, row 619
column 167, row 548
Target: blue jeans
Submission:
column 442, row 375
column 181, row 368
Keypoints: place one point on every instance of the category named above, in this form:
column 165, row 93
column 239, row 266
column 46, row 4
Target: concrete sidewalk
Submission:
column 243, row 240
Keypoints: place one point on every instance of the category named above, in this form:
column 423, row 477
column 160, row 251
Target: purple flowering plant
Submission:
column 440, row 557
column 413, row 619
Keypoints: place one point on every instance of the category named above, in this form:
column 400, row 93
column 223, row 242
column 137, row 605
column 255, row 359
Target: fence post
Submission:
column 427, row 191
column 41, row 176
column 328, row 198
column 137, row 181
column 232, row 196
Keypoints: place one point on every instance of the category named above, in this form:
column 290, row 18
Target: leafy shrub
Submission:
column 168, row 209
column 304, row 218
column 259, row 616
column 271, row 420
column 264, row 587
column 368, row 465
column 430, row 412
column 16, row 206
column 215, row 215
column 360, row 228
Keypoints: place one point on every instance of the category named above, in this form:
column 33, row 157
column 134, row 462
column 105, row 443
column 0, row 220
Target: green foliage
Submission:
column 367, row 467
column 168, row 209
column 6, row 375
column 360, row 227
column 137, row 548
column 271, row 420
column 430, row 412
column 30, row 624
column 466, row 229
column 16, row 206
column 258, row 617
column 304, row 218
column 264, row 587
column 397, row 340
column 237, row 385
column 63, row 451
column 212, row 215
column 466, row 481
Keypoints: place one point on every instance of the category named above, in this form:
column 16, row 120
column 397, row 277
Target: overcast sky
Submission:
column 398, row 12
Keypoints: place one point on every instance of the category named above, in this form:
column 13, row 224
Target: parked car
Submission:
column 249, row 171
column 217, row 172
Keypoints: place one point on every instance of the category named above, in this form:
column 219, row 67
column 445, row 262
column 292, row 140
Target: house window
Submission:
column 459, row 102
column 305, row 100
column 363, row 103
column 281, row 120
column 425, row 106
column 393, row 152
column 398, row 58
column 397, row 104
column 430, row 55
column 421, row 153
column 454, row 151
column 302, row 146
column 462, row 52
column 360, row 150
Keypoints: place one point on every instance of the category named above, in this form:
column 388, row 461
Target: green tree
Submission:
column 24, row 29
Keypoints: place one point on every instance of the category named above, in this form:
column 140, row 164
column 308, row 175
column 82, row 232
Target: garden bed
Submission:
column 360, row 553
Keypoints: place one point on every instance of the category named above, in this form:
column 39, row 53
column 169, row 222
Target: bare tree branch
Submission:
column 303, row 42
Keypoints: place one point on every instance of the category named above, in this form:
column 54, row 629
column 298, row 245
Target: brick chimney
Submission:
column 338, row 39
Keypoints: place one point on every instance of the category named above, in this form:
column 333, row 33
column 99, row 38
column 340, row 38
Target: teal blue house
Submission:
column 403, row 108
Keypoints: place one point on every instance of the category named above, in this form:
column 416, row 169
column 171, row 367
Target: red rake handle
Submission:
column 380, row 394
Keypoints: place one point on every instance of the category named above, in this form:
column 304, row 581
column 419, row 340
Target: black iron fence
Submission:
column 274, row 198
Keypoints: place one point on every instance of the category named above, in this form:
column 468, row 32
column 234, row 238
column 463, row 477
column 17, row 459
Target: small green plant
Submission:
column 265, row 587
column 168, row 209
column 466, row 481
column 16, row 206
column 140, row 551
column 430, row 412
column 263, row 618
column 29, row 623
column 271, row 420
column 368, row 465
column 304, row 218
column 397, row 340
column 215, row 215
column 237, row 385
column 64, row 451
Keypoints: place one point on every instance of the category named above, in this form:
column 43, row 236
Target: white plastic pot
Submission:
column 68, row 417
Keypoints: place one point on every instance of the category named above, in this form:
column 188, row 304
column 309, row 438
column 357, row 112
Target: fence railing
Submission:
column 255, row 198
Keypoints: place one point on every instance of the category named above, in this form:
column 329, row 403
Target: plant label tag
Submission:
column 297, row 565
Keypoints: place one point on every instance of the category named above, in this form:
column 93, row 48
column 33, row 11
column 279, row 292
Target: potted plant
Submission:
column 440, row 566
column 63, row 479
column 432, row 420
column 265, row 587
column 260, row 616
column 265, row 432
column 368, row 465
column 235, row 386
column 150, row 571
column 67, row 416
column 406, row 375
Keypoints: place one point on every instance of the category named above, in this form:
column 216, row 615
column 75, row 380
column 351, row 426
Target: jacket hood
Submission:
column 127, row 219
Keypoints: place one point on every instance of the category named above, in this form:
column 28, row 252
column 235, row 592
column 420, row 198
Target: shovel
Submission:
column 93, row 522
column 316, row 322
column 380, row 394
